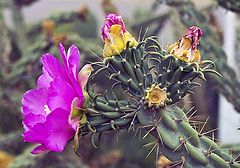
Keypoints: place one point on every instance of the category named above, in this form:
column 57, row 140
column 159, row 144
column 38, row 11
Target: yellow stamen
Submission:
column 46, row 109
column 156, row 96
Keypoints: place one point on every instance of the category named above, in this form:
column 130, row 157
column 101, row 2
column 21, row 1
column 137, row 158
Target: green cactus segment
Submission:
column 130, row 69
column 173, row 74
column 179, row 141
column 104, row 114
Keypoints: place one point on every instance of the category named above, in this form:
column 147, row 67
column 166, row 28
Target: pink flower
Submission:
column 47, row 110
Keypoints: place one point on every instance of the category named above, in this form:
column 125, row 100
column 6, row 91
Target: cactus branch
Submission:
column 228, row 85
column 179, row 141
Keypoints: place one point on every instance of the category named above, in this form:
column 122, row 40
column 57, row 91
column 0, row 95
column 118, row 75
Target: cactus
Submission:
column 153, row 80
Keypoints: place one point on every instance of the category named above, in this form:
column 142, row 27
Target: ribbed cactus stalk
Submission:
column 152, row 81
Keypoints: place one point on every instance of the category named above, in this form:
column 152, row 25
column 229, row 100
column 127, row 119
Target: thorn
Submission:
column 186, row 147
column 236, row 158
column 188, row 112
column 178, row 147
column 176, row 163
column 151, row 150
column 210, row 131
column 149, row 144
column 145, row 33
column 132, row 122
column 189, row 118
column 213, row 137
column 200, row 132
column 160, row 137
column 96, row 55
column 157, row 153
column 140, row 33
column 148, row 132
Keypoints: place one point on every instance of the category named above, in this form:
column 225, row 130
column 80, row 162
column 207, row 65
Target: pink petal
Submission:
column 44, row 80
column 33, row 101
column 61, row 95
column 52, row 134
column 32, row 119
column 39, row 149
column 73, row 60
column 71, row 63
column 52, row 69
column 84, row 74
column 112, row 19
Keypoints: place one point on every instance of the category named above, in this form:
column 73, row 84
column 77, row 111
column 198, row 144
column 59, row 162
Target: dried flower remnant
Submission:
column 185, row 48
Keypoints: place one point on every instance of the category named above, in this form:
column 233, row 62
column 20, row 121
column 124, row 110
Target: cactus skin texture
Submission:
column 137, row 70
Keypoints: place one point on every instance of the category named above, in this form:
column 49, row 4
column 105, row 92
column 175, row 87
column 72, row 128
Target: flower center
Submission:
column 156, row 96
column 46, row 109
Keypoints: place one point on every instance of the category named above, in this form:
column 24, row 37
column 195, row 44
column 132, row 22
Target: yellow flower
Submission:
column 185, row 49
column 115, row 36
column 156, row 96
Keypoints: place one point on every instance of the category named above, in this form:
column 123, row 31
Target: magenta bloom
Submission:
column 47, row 110
column 194, row 33
column 112, row 19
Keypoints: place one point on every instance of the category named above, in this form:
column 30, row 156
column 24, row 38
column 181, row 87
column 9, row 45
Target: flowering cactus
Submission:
column 52, row 111
column 152, row 81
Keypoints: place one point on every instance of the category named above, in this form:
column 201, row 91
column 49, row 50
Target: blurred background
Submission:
column 30, row 28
